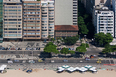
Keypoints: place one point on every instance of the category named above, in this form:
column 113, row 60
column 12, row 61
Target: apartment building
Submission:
column 12, row 19
column 1, row 19
column 91, row 3
column 47, row 18
column 103, row 20
column 31, row 20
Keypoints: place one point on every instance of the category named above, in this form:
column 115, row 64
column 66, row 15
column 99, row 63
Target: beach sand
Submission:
column 51, row 73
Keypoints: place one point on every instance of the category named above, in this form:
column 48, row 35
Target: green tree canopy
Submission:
column 51, row 48
column 103, row 39
column 72, row 52
column 70, row 40
column 85, row 45
column 81, row 49
column 82, row 27
column 64, row 51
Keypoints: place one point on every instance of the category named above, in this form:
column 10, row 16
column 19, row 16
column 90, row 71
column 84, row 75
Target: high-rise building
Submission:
column 66, row 17
column 103, row 19
column 47, row 18
column 31, row 20
column 12, row 19
column 66, row 12
column 1, row 20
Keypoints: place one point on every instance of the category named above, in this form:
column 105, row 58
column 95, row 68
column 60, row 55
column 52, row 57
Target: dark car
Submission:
column 8, row 59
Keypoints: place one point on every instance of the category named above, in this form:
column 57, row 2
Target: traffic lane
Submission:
column 62, row 61
column 20, row 52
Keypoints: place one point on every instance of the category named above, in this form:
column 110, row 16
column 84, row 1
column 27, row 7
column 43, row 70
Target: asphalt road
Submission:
column 62, row 61
column 92, row 50
column 20, row 52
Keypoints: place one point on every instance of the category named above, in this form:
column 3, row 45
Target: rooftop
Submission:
column 66, row 27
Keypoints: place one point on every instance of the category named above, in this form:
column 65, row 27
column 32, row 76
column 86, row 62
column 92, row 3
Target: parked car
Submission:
column 31, row 61
column 13, row 49
column 65, row 60
column 16, row 60
column 28, row 71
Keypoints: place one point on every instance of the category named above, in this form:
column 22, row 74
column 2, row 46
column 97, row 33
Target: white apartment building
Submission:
column 12, row 19
column 47, row 18
column 103, row 20
column 66, row 12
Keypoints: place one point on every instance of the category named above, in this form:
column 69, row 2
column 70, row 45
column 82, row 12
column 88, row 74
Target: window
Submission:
column 51, row 24
column 19, row 22
column 24, row 4
column 37, row 33
column 38, row 27
column 44, row 15
column 38, row 4
column 24, row 27
column 44, row 18
column 12, row 22
column 30, row 3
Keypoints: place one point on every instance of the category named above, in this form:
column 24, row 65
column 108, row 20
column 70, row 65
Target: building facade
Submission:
column 66, row 17
column 1, row 20
column 103, row 20
column 66, row 12
column 47, row 18
column 31, row 20
column 66, row 30
column 12, row 19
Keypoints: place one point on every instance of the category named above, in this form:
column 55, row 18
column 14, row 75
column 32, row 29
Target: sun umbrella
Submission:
column 77, row 68
column 71, row 69
column 83, row 69
column 93, row 68
column 65, row 66
column 1, row 68
column 88, row 66
column 60, row 68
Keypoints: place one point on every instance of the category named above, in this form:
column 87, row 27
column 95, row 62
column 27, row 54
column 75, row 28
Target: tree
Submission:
column 70, row 40
column 64, row 51
column 103, row 39
column 72, row 52
column 81, row 49
column 107, row 49
column 51, row 48
column 85, row 45
column 82, row 27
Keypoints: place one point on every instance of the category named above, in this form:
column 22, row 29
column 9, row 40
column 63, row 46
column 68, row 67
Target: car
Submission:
column 8, row 59
column 65, row 60
column 87, row 59
column 16, row 60
column 31, row 61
